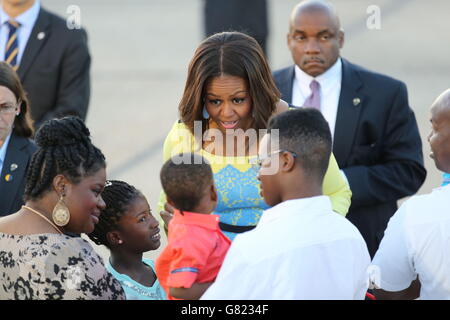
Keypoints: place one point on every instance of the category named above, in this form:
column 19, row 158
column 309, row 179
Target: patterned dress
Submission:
column 52, row 266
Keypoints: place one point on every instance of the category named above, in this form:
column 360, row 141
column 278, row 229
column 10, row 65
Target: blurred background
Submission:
column 141, row 50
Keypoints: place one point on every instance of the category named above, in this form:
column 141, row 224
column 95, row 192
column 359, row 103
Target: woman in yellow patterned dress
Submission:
column 228, row 98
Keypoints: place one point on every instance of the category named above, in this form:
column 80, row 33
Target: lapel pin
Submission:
column 8, row 178
column 356, row 101
column 41, row 35
column 13, row 167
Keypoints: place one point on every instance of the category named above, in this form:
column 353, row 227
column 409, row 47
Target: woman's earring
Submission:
column 61, row 214
column 205, row 113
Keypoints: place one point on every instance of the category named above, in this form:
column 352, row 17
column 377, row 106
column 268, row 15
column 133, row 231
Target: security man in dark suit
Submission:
column 52, row 60
column 375, row 135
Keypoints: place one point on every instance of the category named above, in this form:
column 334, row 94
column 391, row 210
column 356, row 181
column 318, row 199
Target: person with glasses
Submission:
column 16, row 147
column 300, row 248
column 228, row 98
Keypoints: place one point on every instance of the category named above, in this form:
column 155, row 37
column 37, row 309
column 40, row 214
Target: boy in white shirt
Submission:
column 300, row 249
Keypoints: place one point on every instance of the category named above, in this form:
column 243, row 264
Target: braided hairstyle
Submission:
column 118, row 196
column 65, row 148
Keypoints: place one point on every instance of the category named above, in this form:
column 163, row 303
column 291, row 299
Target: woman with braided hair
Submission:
column 38, row 257
column 128, row 229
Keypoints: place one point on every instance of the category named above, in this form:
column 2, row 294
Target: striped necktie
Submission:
column 12, row 45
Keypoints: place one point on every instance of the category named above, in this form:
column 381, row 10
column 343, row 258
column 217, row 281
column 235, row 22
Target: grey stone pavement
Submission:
column 141, row 50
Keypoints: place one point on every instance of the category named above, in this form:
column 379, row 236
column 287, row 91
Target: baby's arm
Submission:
column 192, row 293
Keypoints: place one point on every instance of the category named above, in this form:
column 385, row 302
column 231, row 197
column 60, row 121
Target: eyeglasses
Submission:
column 257, row 162
column 7, row 109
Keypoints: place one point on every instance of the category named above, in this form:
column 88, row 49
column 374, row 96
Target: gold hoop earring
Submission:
column 61, row 214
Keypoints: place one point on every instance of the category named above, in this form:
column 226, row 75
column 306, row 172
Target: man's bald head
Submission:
column 315, row 6
column 439, row 137
column 442, row 103
column 315, row 36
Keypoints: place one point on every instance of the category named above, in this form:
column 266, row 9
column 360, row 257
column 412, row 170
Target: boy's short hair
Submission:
column 305, row 132
column 185, row 178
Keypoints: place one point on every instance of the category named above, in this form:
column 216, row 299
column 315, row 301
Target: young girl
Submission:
column 128, row 229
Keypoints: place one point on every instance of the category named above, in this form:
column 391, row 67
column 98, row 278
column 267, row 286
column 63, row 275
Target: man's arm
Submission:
column 74, row 86
column 394, row 261
column 399, row 171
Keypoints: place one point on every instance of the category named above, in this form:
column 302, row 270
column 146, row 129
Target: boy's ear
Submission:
column 287, row 162
column 169, row 201
column 114, row 238
column 213, row 193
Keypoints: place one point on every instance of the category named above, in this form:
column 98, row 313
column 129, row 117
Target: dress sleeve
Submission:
column 336, row 188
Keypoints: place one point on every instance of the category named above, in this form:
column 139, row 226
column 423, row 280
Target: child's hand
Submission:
column 167, row 214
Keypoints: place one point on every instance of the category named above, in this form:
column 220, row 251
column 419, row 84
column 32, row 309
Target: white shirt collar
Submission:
column 27, row 18
column 3, row 149
column 313, row 205
column 325, row 79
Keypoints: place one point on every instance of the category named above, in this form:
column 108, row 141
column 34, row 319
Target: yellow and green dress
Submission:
column 240, row 204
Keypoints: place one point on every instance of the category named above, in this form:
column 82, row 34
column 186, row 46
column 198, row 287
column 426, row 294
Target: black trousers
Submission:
column 247, row 16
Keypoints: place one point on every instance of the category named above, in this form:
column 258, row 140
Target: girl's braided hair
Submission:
column 118, row 195
column 65, row 148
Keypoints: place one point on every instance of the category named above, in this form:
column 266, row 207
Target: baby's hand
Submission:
column 167, row 214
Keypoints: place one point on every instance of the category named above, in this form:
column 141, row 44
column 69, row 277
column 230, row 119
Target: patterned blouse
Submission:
column 52, row 266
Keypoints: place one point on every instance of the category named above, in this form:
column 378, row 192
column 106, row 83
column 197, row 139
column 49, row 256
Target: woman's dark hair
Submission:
column 234, row 54
column 22, row 123
column 65, row 148
column 118, row 195
column 185, row 178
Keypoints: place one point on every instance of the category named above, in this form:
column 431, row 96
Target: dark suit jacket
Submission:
column 376, row 143
column 54, row 69
column 19, row 152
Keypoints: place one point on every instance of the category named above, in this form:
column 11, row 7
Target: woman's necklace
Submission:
column 43, row 217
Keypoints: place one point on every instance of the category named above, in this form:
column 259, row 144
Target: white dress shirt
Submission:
column 330, row 90
column 417, row 243
column 26, row 20
column 300, row 249
column 3, row 149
